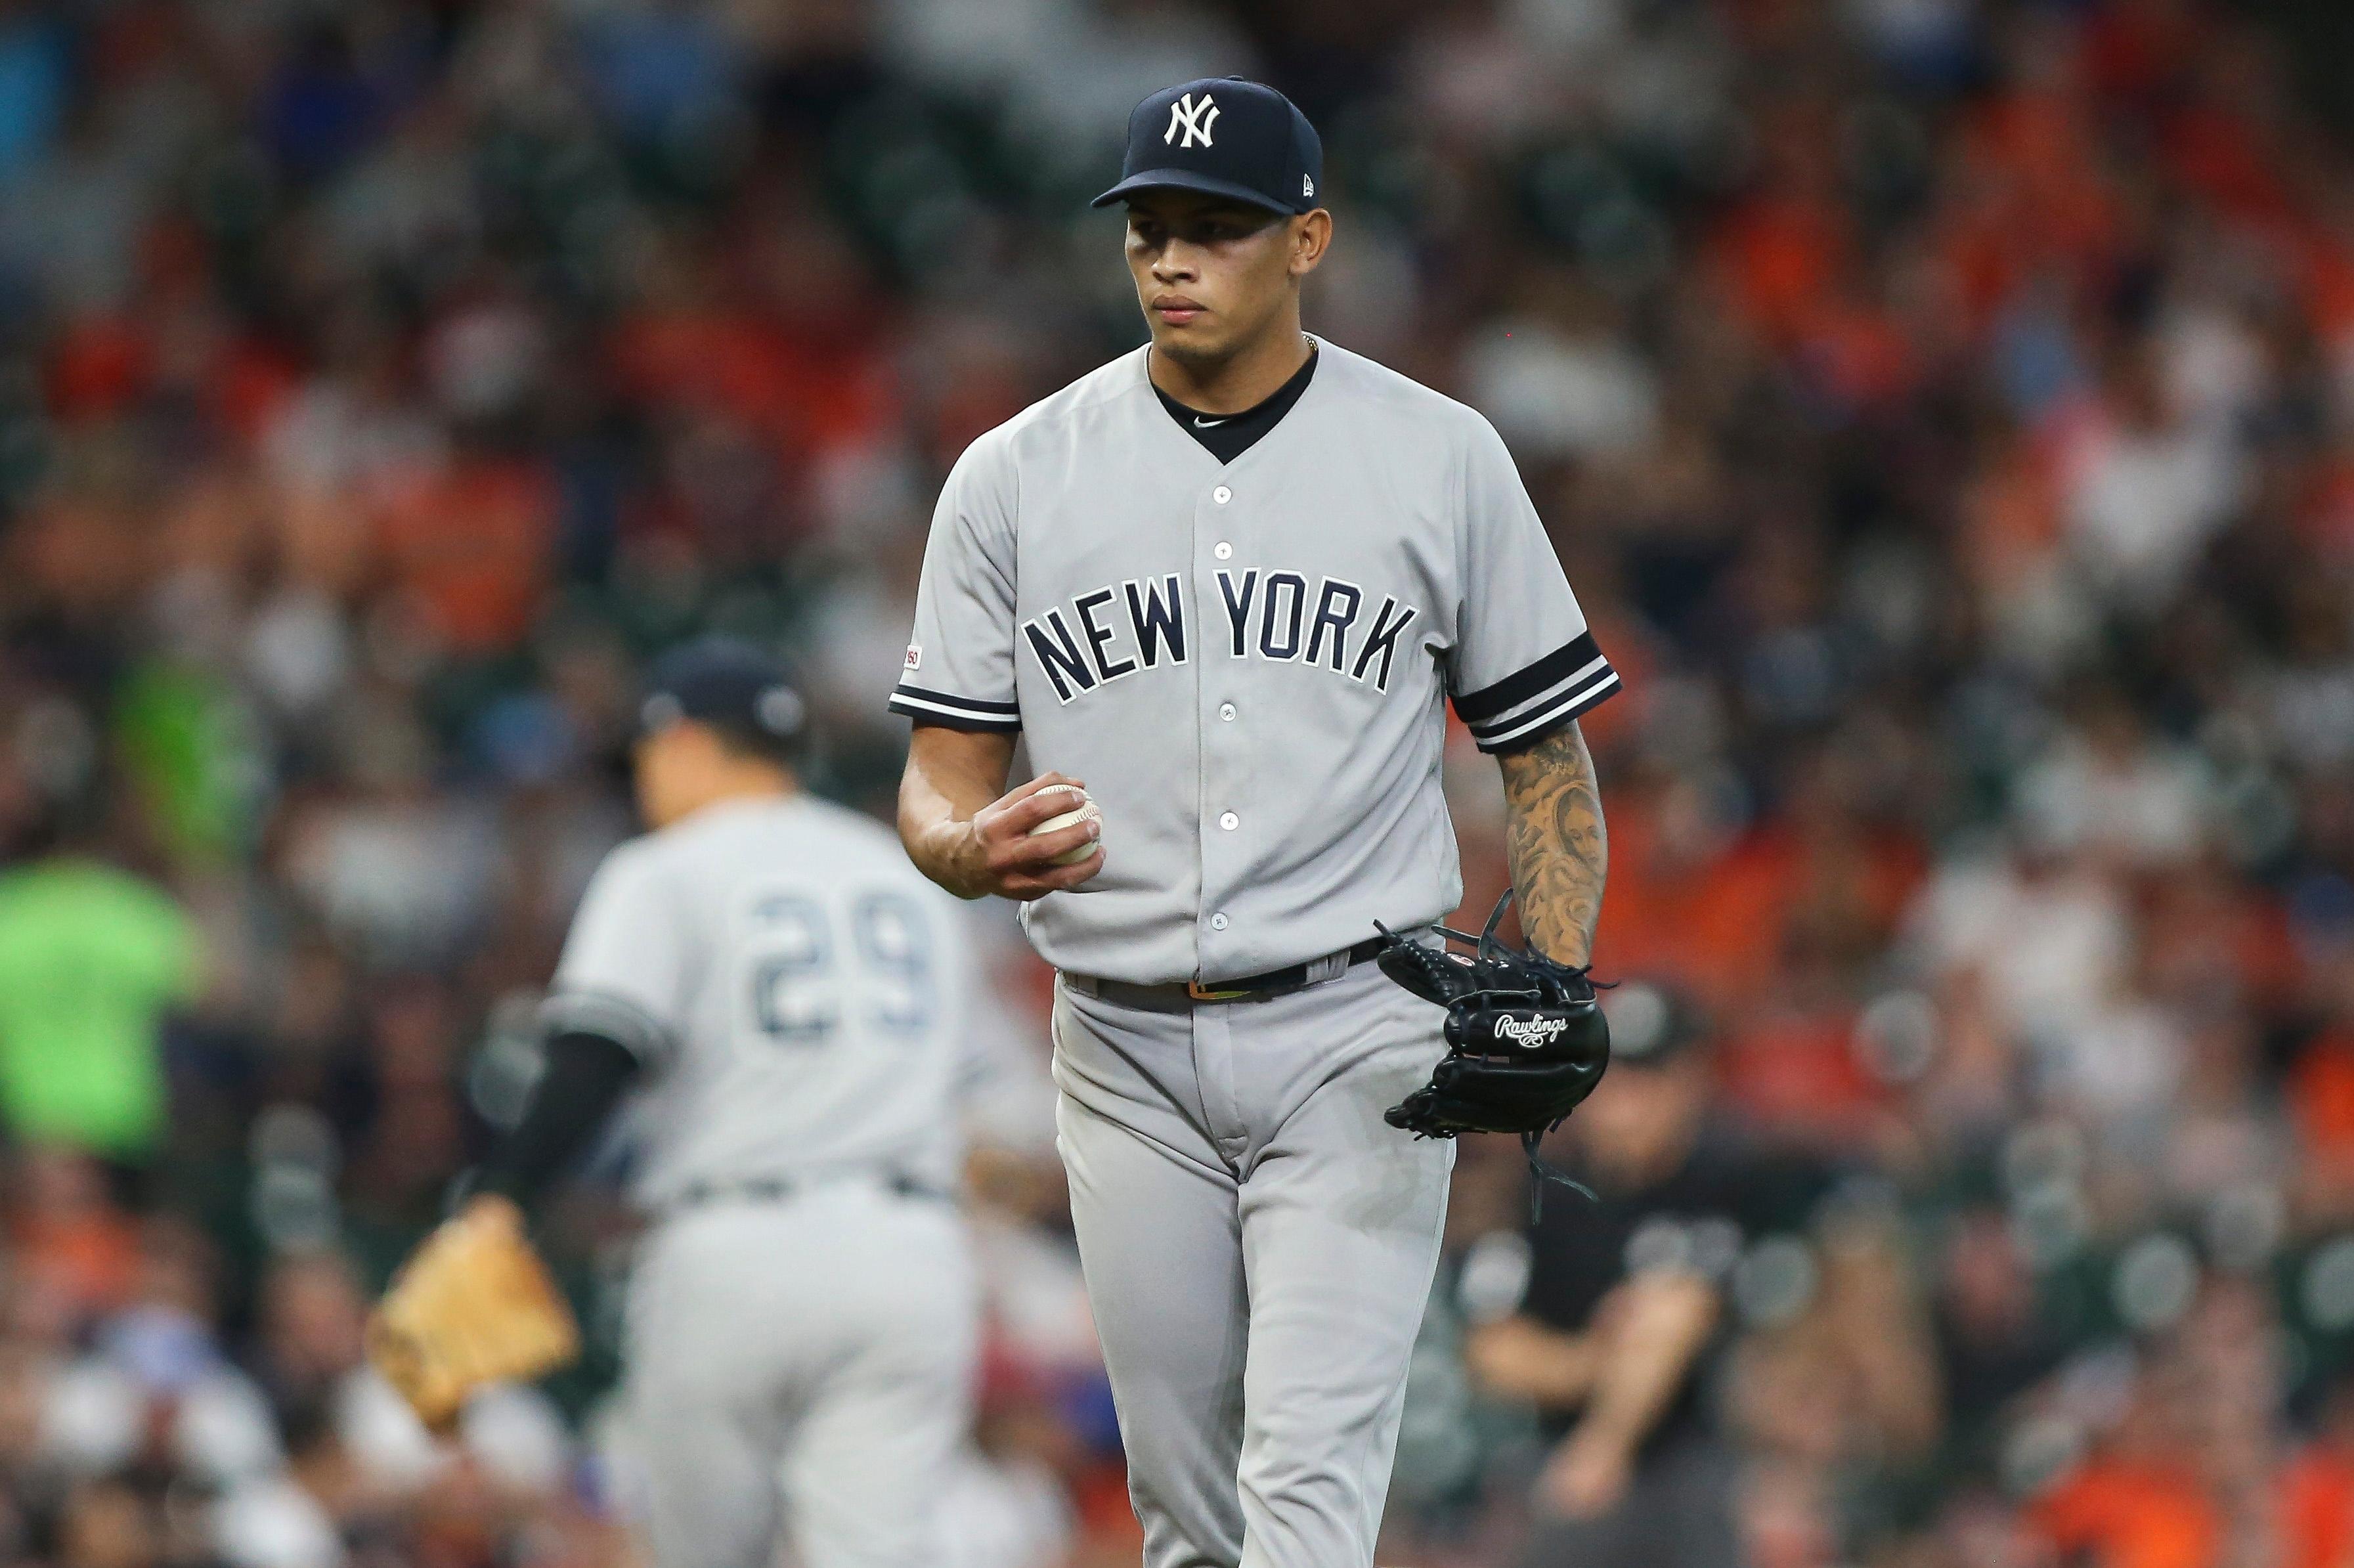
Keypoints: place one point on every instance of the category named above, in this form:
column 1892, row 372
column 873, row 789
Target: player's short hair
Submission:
column 759, row 745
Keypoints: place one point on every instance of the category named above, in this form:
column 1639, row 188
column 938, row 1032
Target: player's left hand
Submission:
column 1526, row 1040
column 1587, row 1476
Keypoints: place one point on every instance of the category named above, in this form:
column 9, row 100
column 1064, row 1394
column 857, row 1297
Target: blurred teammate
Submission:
column 779, row 992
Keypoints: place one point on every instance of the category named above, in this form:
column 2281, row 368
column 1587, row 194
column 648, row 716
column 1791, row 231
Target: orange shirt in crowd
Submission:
column 99, row 367
column 798, row 394
column 1783, row 258
column 91, row 1259
column 471, row 544
column 2321, row 1098
column 2318, row 1508
column 1797, row 1071
column 2116, row 1513
column 1720, row 925
column 1705, row 924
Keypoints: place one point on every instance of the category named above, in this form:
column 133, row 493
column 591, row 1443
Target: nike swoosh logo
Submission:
column 1201, row 424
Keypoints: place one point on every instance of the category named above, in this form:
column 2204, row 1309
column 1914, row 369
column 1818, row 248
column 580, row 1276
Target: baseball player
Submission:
column 779, row 993
column 1222, row 589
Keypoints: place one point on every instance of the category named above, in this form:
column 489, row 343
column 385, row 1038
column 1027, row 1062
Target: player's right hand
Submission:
column 1012, row 863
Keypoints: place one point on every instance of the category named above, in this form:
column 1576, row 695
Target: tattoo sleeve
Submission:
column 1558, row 850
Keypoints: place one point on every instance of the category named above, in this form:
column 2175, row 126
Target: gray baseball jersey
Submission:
column 795, row 987
column 1246, row 662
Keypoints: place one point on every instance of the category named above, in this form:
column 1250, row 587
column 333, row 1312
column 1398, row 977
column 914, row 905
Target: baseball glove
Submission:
column 1526, row 1042
column 473, row 1306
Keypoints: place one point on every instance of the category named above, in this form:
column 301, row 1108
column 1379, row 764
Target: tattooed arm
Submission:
column 1558, row 850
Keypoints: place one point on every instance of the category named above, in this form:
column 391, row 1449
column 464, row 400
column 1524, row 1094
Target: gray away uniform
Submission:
column 1247, row 664
column 800, row 1321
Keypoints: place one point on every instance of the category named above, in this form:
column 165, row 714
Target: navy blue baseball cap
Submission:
column 727, row 682
column 1224, row 137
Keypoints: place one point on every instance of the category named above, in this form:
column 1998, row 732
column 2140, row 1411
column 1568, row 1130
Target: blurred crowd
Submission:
column 1944, row 409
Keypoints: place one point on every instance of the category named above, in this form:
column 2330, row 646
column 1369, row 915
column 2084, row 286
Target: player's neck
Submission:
column 751, row 782
column 1241, row 381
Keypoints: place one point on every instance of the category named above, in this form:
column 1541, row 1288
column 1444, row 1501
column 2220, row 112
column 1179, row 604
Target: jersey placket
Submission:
column 1224, row 719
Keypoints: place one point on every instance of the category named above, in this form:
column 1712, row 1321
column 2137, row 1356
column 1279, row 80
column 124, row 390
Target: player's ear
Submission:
column 1311, row 233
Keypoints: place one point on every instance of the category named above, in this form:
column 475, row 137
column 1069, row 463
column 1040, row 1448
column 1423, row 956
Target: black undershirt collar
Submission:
column 1227, row 436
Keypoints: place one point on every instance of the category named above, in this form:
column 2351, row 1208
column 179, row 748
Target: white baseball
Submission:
column 1083, row 812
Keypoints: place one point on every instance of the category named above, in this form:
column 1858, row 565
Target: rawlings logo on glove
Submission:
column 1530, row 1034
column 1526, row 1041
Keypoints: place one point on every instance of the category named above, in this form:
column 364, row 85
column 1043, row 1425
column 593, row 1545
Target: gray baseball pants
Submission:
column 806, row 1366
column 1259, row 1245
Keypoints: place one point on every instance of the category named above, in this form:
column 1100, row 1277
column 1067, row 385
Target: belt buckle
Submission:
column 1200, row 992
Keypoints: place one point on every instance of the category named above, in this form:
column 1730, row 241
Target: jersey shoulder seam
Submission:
column 643, row 868
column 1000, row 445
column 1464, row 422
column 1106, row 384
column 1395, row 387
column 654, row 866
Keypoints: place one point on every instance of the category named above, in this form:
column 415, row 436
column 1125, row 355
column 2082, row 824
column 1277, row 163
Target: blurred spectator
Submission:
column 309, row 1365
column 91, row 959
column 110, row 1523
column 71, row 1246
column 1625, row 1303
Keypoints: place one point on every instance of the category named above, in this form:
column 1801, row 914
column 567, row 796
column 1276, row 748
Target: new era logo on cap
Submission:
column 1222, row 137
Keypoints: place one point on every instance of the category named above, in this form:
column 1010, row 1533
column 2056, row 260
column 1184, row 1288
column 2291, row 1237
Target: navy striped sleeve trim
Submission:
column 1493, row 702
column 1538, row 699
column 952, row 712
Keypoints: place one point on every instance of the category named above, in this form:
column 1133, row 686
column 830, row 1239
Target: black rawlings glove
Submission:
column 1526, row 1042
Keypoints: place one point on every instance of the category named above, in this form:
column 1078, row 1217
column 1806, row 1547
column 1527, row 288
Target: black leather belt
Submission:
column 1248, row 988
column 776, row 1188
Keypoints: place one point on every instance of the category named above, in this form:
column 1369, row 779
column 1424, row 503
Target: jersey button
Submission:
column 1225, row 710
column 1222, row 495
column 1218, row 922
column 1230, row 821
column 1223, row 550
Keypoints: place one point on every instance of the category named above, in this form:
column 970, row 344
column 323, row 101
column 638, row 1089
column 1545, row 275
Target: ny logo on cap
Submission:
column 1193, row 118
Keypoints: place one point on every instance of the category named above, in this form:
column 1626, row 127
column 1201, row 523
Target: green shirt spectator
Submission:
column 90, row 959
